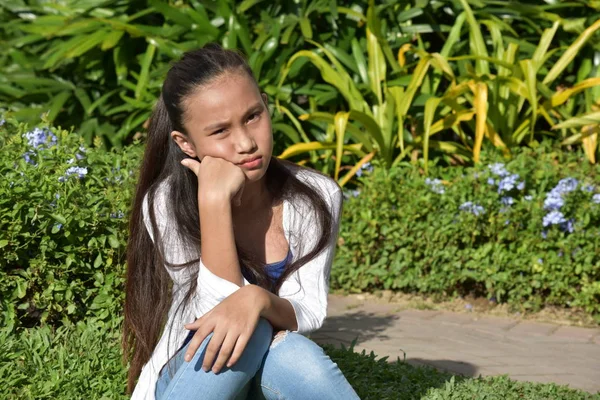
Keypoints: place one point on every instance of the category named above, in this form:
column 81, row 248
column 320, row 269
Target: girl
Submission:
column 200, row 324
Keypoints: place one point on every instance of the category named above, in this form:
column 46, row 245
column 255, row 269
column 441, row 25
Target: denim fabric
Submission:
column 289, row 367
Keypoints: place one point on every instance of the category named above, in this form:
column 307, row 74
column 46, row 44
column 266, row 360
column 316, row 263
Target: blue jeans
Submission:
column 291, row 367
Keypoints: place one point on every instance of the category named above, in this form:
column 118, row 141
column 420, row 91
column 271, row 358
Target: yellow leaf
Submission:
column 354, row 169
column 481, row 94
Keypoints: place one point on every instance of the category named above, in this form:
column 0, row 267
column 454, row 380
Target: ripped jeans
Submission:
column 290, row 367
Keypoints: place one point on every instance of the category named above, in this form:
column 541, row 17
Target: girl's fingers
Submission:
column 225, row 352
column 240, row 345
column 192, row 164
column 196, row 342
column 212, row 349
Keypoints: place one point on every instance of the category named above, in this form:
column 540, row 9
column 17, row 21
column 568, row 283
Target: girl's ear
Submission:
column 184, row 143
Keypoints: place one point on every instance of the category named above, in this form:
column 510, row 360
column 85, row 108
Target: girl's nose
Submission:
column 244, row 142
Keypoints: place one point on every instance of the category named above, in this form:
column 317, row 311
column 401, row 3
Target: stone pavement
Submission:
column 467, row 344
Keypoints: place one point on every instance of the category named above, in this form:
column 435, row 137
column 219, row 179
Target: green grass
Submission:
column 85, row 362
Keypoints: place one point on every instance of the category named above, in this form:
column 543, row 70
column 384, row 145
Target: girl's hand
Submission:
column 218, row 179
column 232, row 323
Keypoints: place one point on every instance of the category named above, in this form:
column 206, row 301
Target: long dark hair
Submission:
column 148, row 285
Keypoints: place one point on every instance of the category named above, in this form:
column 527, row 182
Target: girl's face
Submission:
column 228, row 118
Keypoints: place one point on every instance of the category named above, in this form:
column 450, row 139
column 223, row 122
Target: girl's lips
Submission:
column 256, row 163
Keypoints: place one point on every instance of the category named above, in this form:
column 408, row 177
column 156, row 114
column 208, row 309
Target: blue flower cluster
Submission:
column 596, row 198
column 506, row 181
column 38, row 139
column 435, row 185
column 366, row 167
column 471, row 207
column 81, row 172
column 554, row 201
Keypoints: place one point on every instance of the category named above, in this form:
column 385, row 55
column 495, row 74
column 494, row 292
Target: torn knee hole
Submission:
column 278, row 338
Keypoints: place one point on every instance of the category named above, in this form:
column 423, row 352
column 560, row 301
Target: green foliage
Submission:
column 99, row 66
column 62, row 237
column 84, row 361
column 483, row 81
column 402, row 233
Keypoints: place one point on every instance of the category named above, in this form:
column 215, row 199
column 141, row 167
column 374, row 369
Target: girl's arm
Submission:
column 279, row 312
column 219, row 254
column 219, row 183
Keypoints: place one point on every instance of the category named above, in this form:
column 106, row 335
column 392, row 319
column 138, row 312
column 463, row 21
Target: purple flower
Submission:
column 596, row 198
column 507, row 200
column 521, row 185
column 491, row 181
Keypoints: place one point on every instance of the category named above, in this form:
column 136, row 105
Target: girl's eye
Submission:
column 253, row 116
column 218, row 131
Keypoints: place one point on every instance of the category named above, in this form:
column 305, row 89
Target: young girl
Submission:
column 229, row 251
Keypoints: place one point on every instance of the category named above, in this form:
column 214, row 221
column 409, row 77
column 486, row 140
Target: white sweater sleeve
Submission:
column 211, row 289
column 308, row 293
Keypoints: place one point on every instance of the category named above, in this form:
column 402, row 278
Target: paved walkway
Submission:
column 467, row 344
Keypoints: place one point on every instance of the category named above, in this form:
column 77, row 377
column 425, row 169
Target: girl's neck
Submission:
column 256, row 196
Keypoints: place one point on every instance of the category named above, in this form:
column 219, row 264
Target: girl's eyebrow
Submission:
column 219, row 124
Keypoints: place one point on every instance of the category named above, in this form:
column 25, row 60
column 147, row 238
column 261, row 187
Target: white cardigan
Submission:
column 306, row 289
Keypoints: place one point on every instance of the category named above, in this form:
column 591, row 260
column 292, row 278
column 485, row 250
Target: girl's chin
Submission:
column 255, row 175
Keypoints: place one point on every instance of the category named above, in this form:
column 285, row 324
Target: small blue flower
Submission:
column 80, row 171
column 435, row 185
column 70, row 161
column 79, row 156
column 61, row 178
column 28, row 156
column 58, row 226
column 588, row 188
column 554, row 218
column 491, row 181
column 528, row 198
column 508, row 183
column 540, row 260
column 498, row 169
column 545, row 234
column 472, row 208
column 2, row 121
column 553, row 201
column 596, row 198
column 521, row 185
column 39, row 137
column 118, row 215
column 507, row 200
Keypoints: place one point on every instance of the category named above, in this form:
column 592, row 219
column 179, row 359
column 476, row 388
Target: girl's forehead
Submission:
column 225, row 96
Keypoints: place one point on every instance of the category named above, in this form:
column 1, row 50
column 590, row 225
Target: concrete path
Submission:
column 467, row 344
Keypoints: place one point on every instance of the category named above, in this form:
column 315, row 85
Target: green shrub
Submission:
column 63, row 210
column 83, row 361
column 404, row 232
